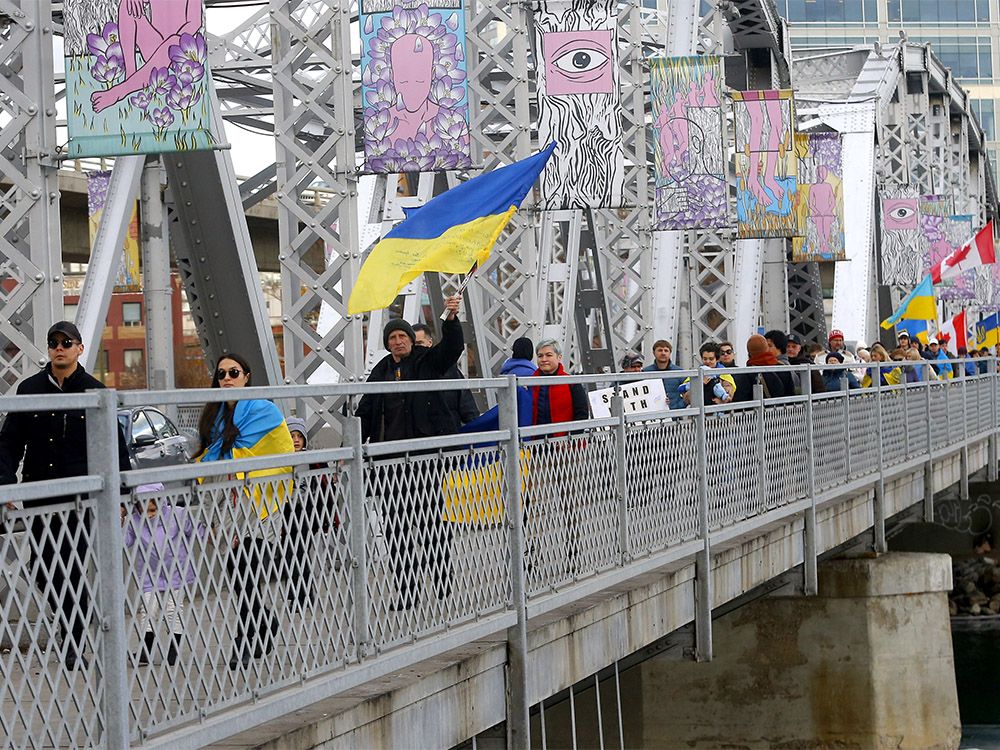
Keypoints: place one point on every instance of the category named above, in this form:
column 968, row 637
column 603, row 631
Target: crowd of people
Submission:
column 46, row 445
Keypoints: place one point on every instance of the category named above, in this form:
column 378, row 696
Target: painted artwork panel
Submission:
column 819, row 198
column 942, row 234
column 689, row 161
column 129, row 278
column 901, row 252
column 579, row 104
column 766, row 167
column 414, row 85
column 137, row 78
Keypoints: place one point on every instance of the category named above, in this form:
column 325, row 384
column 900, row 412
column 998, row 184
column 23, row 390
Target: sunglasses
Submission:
column 61, row 343
column 232, row 372
column 726, row 351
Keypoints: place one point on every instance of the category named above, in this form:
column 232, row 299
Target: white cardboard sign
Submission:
column 640, row 396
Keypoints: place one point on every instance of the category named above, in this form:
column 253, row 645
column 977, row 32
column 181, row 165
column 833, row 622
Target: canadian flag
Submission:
column 956, row 333
column 976, row 252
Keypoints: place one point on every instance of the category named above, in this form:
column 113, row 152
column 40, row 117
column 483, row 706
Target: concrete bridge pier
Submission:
column 866, row 664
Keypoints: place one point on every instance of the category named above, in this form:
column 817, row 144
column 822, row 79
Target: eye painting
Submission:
column 900, row 213
column 578, row 62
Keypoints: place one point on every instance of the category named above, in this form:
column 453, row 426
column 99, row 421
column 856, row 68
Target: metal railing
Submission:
column 380, row 555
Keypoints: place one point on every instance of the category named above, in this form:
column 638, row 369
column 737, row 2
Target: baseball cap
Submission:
column 794, row 338
column 932, row 341
column 631, row 360
column 836, row 333
column 67, row 329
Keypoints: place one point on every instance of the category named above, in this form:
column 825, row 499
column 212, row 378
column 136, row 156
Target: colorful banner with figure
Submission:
column 579, row 103
column 901, row 252
column 136, row 77
column 765, row 164
column 129, row 278
column 689, row 161
column 942, row 235
column 414, row 87
column 819, row 198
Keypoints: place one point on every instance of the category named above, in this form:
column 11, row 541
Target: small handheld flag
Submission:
column 978, row 251
column 956, row 333
column 450, row 234
column 918, row 305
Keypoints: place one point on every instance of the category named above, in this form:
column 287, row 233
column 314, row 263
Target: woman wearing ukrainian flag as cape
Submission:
column 244, row 429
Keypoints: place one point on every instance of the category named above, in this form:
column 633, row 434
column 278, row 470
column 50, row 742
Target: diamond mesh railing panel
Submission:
column 662, row 484
column 893, row 427
column 786, row 455
column 52, row 685
column 830, row 440
column 863, row 435
column 937, row 416
column 733, row 466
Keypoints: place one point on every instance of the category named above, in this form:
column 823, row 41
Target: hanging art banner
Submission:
column 765, row 164
column 136, row 77
column 129, row 278
column 579, row 104
column 901, row 252
column 689, row 161
column 414, row 87
column 819, row 198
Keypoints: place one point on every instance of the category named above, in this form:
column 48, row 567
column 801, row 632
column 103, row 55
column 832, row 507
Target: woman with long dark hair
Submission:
column 243, row 429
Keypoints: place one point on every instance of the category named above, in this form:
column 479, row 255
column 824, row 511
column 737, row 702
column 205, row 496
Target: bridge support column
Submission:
column 867, row 663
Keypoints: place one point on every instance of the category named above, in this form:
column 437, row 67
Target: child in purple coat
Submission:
column 162, row 536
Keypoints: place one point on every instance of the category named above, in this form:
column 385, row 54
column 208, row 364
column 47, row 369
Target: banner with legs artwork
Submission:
column 414, row 88
column 901, row 251
column 136, row 77
column 689, row 160
column 579, row 103
column 766, row 166
column 819, row 198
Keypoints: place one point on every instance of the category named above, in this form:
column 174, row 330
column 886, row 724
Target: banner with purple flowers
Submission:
column 413, row 85
column 136, row 77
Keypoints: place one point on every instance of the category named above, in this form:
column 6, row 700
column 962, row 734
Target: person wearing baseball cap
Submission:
column 632, row 362
column 53, row 445
column 835, row 343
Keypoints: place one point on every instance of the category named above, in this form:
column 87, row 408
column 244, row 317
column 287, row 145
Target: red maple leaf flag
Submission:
column 956, row 333
column 979, row 251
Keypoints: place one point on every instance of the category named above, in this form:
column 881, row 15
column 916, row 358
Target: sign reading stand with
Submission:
column 136, row 77
column 640, row 396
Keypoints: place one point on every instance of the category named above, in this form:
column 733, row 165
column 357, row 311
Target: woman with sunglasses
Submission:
column 244, row 429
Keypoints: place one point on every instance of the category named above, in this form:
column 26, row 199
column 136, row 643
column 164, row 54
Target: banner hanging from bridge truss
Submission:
column 819, row 198
column 137, row 79
column 689, row 159
column 942, row 233
column 901, row 252
column 766, row 166
column 129, row 278
column 579, row 104
column 414, row 87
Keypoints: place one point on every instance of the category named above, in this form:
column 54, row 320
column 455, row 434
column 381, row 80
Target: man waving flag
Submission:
column 451, row 233
column 978, row 251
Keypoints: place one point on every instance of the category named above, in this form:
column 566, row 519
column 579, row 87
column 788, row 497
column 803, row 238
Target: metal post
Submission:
column 518, row 702
column 963, row 483
column 102, row 460
column 810, row 575
column 758, row 396
column 847, row 422
column 703, row 564
column 878, row 511
column 157, row 291
column 928, row 465
column 993, row 458
column 624, row 544
column 359, row 533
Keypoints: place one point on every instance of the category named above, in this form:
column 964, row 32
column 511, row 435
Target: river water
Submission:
column 976, row 643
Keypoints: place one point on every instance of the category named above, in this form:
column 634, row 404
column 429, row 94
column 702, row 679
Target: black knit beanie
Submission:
column 397, row 325
column 523, row 348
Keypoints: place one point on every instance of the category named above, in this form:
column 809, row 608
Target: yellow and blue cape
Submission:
column 450, row 234
column 262, row 432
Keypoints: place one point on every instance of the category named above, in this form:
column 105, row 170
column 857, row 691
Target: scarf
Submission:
column 560, row 399
column 763, row 359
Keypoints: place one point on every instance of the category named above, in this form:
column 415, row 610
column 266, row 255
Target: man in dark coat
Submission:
column 417, row 534
column 53, row 445
column 462, row 403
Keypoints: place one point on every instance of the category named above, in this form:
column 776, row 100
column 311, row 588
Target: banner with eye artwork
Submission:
column 901, row 251
column 689, row 161
column 137, row 79
column 579, row 104
column 414, row 88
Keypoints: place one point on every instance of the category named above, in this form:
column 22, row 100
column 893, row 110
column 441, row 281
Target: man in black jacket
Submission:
column 462, row 403
column 53, row 445
column 416, row 531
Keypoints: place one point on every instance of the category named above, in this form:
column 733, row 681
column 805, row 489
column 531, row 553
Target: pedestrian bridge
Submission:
column 408, row 594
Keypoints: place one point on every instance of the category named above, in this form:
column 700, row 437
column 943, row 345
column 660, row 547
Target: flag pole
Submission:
column 461, row 288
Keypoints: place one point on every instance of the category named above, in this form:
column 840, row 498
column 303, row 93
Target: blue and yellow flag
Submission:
column 988, row 331
column 918, row 305
column 917, row 330
column 450, row 234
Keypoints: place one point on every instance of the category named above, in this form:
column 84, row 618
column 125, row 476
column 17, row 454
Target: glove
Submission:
column 720, row 392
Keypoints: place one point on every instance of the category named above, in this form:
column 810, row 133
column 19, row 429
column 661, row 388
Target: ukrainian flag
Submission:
column 917, row 329
column 262, row 432
column 988, row 331
column 450, row 234
column 919, row 305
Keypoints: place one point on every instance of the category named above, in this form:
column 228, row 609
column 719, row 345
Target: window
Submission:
column 69, row 310
column 141, row 426
column 101, row 366
column 133, row 359
column 936, row 11
column 986, row 114
column 160, row 424
column 831, row 11
column 131, row 313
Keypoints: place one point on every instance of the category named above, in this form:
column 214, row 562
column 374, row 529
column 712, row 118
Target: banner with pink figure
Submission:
column 136, row 77
column 819, row 198
column 414, row 90
column 689, row 159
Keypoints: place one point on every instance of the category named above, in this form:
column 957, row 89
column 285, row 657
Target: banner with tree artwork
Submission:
column 414, row 90
column 689, row 160
column 136, row 77
column 766, row 166
column 819, row 198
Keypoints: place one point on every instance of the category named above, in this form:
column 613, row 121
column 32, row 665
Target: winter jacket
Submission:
column 163, row 547
column 670, row 385
column 944, row 369
column 489, row 420
column 425, row 413
column 559, row 403
column 53, row 444
column 832, row 381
